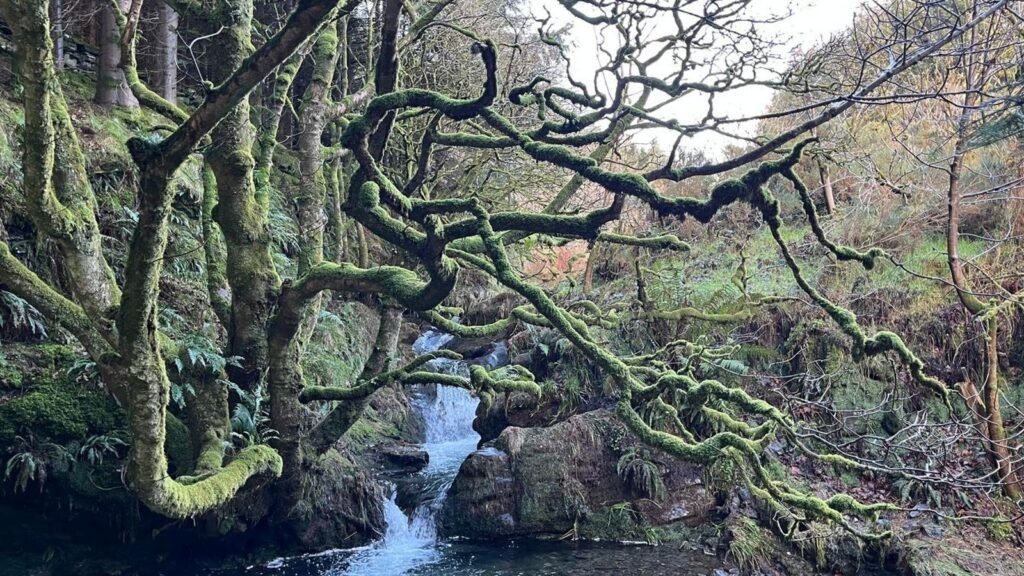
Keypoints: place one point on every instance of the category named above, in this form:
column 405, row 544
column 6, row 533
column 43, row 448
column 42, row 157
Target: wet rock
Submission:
column 545, row 482
column 485, row 484
column 483, row 351
column 405, row 458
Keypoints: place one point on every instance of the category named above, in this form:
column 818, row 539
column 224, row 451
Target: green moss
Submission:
column 178, row 446
column 617, row 522
column 1000, row 529
column 370, row 429
column 10, row 376
column 849, row 479
column 59, row 412
column 193, row 496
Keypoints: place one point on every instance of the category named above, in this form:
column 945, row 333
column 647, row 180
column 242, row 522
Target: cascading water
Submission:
column 411, row 541
column 410, row 546
column 447, row 414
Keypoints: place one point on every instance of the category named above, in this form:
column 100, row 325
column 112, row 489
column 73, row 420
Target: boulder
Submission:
column 518, row 409
column 550, row 482
column 404, row 458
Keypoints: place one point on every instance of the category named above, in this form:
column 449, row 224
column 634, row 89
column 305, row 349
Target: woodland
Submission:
column 781, row 340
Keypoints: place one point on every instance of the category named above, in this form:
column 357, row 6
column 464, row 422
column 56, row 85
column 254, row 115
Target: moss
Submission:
column 60, row 413
column 368, row 430
column 617, row 522
column 849, row 479
column 1000, row 529
column 193, row 496
column 10, row 376
column 178, row 446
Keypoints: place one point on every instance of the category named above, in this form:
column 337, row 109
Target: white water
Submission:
column 411, row 543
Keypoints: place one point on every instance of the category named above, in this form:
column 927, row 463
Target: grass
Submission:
column 750, row 546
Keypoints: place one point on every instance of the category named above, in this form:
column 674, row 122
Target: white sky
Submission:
column 811, row 22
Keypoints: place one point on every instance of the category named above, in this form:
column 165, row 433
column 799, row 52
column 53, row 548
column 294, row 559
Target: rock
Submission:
column 516, row 409
column 546, row 482
column 341, row 505
column 496, row 356
column 483, row 351
column 405, row 458
column 917, row 510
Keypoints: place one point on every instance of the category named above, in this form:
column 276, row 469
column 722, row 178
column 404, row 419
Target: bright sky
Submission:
column 811, row 22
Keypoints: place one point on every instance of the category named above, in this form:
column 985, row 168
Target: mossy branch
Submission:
column 843, row 253
column 864, row 345
column 17, row 278
column 745, row 439
column 189, row 497
column 661, row 242
column 369, row 386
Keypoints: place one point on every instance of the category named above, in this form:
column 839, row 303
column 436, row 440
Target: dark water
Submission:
column 526, row 559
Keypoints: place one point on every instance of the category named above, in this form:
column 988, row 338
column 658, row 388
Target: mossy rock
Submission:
column 340, row 503
column 23, row 365
column 11, row 377
column 563, row 480
column 60, row 413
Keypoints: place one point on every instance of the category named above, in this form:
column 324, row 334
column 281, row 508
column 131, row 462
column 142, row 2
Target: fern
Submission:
column 250, row 420
column 179, row 392
column 19, row 314
column 641, row 474
column 95, row 448
column 198, row 353
column 83, row 369
column 32, row 463
column 731, row 365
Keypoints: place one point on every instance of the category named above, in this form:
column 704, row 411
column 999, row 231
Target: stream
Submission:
column 411, row 545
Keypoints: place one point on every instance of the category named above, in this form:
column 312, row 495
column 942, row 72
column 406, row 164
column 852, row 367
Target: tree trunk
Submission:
column 112, row 87
column 588, row 272
column 286, row 381
column 241, row 211
column 165, row 81
column 208, row 420
column 996, row 431
column 57, row 10
column 347, row 412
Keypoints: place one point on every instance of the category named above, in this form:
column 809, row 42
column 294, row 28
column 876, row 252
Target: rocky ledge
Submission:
column 585, row 477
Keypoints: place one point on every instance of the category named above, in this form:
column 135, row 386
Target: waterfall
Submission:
column 407, row 544
column 411, row 541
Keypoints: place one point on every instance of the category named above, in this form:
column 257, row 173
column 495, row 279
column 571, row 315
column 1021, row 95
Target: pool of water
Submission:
column 513, row 559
